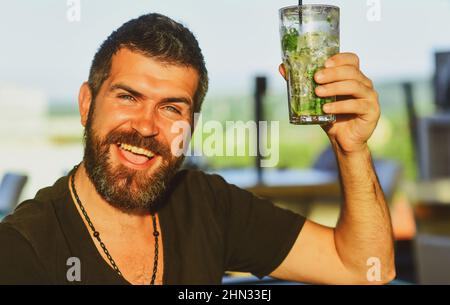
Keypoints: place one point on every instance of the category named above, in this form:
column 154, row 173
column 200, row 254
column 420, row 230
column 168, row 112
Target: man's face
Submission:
column 128, row 138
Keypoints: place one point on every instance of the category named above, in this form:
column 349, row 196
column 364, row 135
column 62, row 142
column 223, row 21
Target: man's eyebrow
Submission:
column 127, row 88
column 177, row 100
column 137, row 94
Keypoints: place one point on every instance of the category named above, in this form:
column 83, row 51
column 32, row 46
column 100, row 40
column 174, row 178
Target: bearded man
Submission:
column 127, row 215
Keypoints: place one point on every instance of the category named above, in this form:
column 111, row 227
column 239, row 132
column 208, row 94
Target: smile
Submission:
column 136, row 150
column 135, row 157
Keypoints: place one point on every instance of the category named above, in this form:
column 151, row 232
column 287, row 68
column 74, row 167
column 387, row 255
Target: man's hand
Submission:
column 357, row 109
column 364, row 230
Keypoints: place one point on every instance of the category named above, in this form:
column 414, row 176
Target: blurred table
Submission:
column 305, row 184
column 286, row 185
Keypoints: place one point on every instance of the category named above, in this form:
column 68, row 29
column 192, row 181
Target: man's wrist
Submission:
column 355, row 167
column 361, row 150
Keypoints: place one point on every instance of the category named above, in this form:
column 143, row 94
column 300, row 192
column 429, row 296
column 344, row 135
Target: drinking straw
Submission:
column 300, row 3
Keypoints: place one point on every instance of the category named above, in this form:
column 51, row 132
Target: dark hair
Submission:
column 156, row 36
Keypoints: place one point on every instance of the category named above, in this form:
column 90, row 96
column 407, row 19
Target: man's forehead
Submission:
column 144, row 71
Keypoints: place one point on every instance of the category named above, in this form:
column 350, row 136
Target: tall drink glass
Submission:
column 309, row 36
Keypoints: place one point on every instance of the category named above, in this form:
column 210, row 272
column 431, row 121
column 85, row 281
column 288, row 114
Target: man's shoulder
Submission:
column 37, row 215
column 29, row 237
column 28, row 214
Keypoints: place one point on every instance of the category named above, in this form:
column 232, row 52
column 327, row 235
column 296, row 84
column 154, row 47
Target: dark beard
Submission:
column 129, row 190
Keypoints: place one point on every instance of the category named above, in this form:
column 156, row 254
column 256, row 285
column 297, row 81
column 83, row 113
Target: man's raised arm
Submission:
column 360, row 249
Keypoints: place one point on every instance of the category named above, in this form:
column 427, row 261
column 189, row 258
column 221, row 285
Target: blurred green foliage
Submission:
column 300, row 145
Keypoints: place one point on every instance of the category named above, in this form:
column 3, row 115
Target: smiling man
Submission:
column 127, row 214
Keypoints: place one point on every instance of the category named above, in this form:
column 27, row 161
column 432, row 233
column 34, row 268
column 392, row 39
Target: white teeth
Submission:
column 136, row 150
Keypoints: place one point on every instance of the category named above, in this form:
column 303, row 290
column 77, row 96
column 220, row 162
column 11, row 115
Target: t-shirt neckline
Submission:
column 84, row 238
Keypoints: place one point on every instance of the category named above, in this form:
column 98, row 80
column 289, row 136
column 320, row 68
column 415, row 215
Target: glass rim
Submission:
column 308, row 6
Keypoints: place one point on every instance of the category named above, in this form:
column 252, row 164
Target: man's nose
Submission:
column 146, row 123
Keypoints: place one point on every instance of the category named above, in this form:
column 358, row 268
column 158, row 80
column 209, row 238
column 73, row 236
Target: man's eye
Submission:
column 172, row 109
column 127, row 97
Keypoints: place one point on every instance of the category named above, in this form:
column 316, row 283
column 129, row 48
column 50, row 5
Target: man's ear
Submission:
column 84, row 102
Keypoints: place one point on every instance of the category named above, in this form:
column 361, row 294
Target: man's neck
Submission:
column 104, row 213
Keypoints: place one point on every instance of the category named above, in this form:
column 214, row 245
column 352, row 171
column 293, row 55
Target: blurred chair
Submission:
column 389, row 172
column 326, row 161
column 434, row 146
column 10, row 189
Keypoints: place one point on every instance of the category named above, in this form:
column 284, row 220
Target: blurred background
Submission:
column 403, row 45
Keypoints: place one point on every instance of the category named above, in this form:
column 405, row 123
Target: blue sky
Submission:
column 41, row 49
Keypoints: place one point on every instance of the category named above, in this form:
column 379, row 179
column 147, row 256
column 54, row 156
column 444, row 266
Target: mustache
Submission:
column 135, row 139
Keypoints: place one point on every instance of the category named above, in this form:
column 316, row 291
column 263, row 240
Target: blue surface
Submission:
column 387, row 172
column 247, row 177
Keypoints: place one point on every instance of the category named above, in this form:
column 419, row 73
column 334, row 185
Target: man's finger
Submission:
column 342, row 59
column 340, row 73
column 347, row 87
column 354, row 106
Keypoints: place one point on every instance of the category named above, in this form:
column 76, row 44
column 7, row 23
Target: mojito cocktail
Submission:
column 309, row 36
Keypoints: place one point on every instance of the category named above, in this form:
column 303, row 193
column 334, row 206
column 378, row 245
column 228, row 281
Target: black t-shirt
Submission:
column 208, row 227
